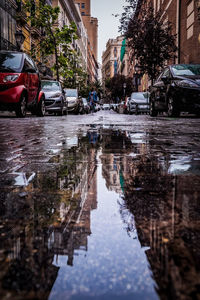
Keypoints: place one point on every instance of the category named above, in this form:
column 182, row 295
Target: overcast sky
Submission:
column 108, row 24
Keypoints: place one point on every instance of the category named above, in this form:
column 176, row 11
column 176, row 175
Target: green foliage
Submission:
column 54, row 43
column 78, row 76
column 151, row 41
column 115, row 86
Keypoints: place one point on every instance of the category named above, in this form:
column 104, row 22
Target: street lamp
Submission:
column 20, row 38
column 136, row 77
column 124, row 86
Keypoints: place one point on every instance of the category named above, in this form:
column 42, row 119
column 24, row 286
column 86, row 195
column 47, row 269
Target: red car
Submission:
column 20, row 85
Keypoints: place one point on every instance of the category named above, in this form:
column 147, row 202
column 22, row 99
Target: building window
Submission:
column 83, row 5
column 190, row 19
column 83, row 13
column 115, row 52
column 115, row 67
column 7, row 29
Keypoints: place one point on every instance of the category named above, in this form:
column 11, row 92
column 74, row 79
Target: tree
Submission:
column 150, row 40
column 115, row 86
column 53, row 42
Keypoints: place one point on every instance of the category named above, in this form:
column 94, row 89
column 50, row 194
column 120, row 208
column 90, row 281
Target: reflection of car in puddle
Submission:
column 184, row 164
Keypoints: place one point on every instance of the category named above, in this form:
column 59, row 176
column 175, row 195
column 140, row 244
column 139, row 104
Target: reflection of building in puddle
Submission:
column 118, row 153
column 167, row 218
column 49, row 216
column 71, row 234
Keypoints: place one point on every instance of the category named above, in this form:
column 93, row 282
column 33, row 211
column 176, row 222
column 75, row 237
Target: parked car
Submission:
column 55, row 100
column 176, row 90
column 113, row 106
column 138, row 103
column 74, row 103
column 106, row 106
column 98, row 107
column 121, row 107
column 20, row 85
column 86, row 106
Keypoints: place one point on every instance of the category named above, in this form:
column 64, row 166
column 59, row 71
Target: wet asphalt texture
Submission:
column 99, row 206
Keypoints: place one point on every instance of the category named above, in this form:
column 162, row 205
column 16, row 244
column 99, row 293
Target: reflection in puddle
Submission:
column 111, row 215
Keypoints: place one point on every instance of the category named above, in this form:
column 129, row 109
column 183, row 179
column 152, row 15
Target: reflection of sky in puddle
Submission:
column 137, row 138
column 22, row 180
column 115, row 265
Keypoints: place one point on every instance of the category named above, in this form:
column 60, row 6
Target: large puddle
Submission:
column 106, row 214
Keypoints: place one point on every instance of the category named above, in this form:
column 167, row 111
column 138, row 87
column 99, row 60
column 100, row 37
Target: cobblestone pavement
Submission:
column 102, row 206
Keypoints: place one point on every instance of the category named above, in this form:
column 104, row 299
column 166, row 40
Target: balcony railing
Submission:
column 7, row 45
column 9, row 6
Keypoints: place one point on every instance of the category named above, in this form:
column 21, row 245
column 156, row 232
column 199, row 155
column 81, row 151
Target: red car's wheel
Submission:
column 41, row 109
column 21, row 107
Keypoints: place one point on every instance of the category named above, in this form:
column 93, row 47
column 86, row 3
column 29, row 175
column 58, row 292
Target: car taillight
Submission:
column 11, row 78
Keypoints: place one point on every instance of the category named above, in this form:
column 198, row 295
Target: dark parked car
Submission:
column 55, row 100
column 138, row 103
column 176, row 90
column 20, row 85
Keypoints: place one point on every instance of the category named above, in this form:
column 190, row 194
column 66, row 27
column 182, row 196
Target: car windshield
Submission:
column 50, row 85
column 140, row 97
column 11, row 62
column 186, row 70
column 71, row 93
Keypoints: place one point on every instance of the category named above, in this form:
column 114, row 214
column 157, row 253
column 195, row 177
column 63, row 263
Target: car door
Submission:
column 160, row 89
column 32, row 79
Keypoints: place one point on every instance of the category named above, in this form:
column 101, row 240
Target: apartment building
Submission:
column 185, row 17
column 111, row 58
column 91, row 25
column 69, row 12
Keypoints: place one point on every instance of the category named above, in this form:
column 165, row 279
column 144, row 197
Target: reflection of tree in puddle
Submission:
column 48, row 217
column 166, row 216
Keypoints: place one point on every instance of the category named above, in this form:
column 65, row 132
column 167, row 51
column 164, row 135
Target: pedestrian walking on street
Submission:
column 92, row 99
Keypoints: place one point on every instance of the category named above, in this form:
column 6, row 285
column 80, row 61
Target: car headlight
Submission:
column 11, row 78
column 55, row 95
column 187, row 83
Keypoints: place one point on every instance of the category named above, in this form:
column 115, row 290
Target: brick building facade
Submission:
column 184, row 16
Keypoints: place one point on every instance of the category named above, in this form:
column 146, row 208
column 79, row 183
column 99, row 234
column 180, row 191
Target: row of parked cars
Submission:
column 137, row 103
column 21, row 89
column 176, row 90
column 62, row 101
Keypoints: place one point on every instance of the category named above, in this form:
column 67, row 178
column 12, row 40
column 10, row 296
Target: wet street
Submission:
column 102, row 206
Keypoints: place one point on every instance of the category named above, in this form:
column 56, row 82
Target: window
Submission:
column 29, row 64
column 83, row 5
column 83, row 13
column 190, row 19
column 115, row 67
column 115, row 52
column 7, row 26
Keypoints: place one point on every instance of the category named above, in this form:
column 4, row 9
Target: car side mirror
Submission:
column 30, row 70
